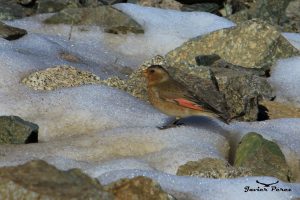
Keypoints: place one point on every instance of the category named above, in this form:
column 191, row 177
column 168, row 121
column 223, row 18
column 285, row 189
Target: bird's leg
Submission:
column 172, row 124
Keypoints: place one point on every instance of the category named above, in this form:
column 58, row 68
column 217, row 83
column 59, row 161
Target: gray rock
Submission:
column 37, row 180
column 107, row 17
column 49, row 6
column 272, row 11
column 201, row 7
column 14, row 130
column 165, row 4
column 10, row 9
column 262, row 156
column 253, row 44
column 212, row 168
column 11, row 33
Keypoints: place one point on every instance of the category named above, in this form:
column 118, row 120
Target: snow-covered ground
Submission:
column 110, row 134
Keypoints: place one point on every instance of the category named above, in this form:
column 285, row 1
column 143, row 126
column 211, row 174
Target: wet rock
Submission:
column 50, row 6
column 166, row 4
column 14, row 130
column 253, row 44
column 58, row 77
column 10, row 9
column 11, row 33
column 39, row 180
column 262, row 156
column 277, row 110
column 212, row 168
column 272, row 11
column 137, row 188
column 107, row 17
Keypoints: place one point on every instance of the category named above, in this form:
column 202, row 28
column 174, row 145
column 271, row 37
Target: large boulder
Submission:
column 37, row 180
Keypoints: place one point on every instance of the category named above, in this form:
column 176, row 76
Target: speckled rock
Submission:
column 50, row 6
column 111, row 19
column 272, row 11
column 37, row 180
column 137, row 188
column 212, row 168
column 253, row 44
column 276, row 110
column 262, row 156
column 201, row 7
column 11, row 33
column 166, row 4
column 58, row 77
column 14, row 130
column 10, row 9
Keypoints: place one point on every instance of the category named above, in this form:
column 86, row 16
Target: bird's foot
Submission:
column 171, row 125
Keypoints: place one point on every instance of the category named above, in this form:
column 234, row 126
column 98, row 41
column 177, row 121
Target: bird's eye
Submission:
column 152, row 71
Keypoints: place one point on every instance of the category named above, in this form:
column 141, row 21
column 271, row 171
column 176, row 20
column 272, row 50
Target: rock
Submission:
column 69, row 57
column 111, row 2
column 26, row 2
column 11, row 33
column 277, row 110
column 58, row 77
column 272, row 11
column 108, row 17
column 166, row 4
column 39, row 180
column 201, row 1
column 201, row 7
column 50, row 6
column 253, row 44
column 293, row 14
column 212, row 168
column 139, row 187
column 14, row 130
column 10, row 9
column 262, row 156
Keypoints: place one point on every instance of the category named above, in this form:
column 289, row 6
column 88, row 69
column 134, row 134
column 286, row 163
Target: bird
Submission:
column 174, row 99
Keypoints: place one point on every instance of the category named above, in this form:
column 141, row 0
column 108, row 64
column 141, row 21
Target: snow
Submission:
column 293, row 38
column 108, row 133
column 285, row 78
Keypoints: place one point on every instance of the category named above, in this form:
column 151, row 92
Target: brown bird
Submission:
column 174, row 99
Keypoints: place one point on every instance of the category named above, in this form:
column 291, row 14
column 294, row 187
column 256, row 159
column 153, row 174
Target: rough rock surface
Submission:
column 107, row 17
column 14, row 130
column 212, row 168
column 137, row 188
column 10, row 9
column 50, row 6
column 262, row 156
column 39, row 180
column 268, row 10
column 58, row 77
column 277, row 110
column 11, row 33
column 253, row 44
column 166, row 4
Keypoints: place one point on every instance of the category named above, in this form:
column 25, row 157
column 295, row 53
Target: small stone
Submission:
column 14, row 130
column 69, row 57
column 58, row 77
column 263, row 157
column 139, row 187
column 212, row 168
column 11, row 33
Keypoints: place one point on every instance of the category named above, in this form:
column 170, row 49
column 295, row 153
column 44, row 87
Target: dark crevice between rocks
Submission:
column 262, row 114
column 233, row 140
column 31, row 4
column 32, row 138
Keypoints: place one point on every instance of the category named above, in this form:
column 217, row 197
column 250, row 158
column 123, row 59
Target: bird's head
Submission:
column 156, row 74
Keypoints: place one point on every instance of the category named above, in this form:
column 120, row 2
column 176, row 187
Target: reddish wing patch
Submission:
column 188, row 104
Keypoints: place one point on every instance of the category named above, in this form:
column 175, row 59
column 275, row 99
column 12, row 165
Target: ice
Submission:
column 285, row 78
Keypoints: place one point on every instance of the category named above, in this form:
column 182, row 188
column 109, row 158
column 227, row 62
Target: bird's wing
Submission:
column 179, row 95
